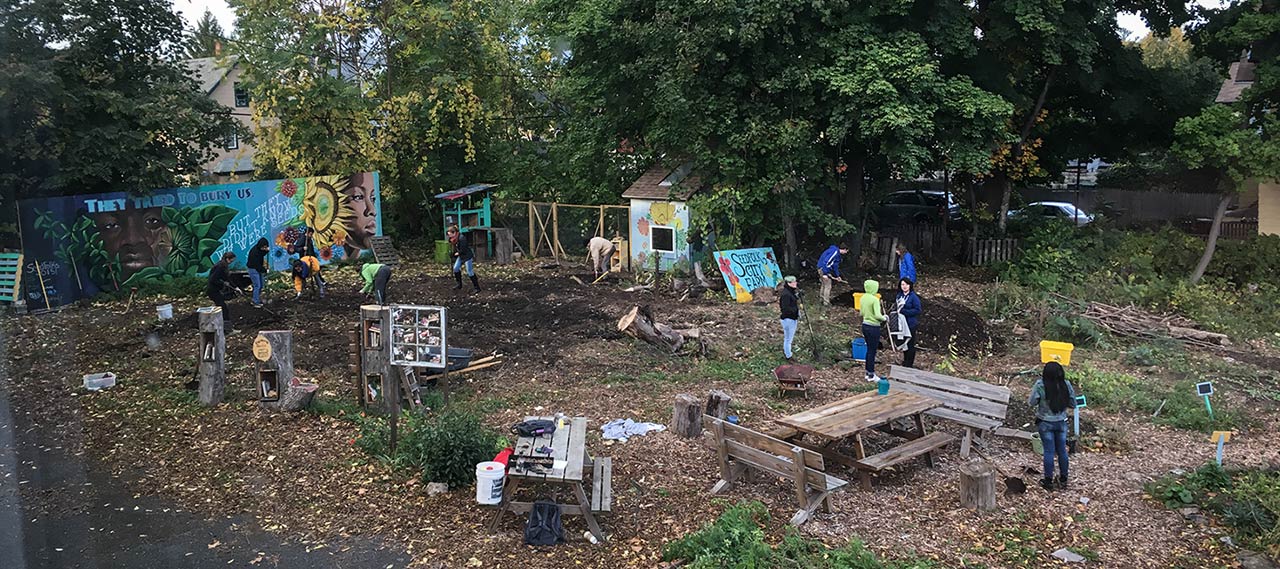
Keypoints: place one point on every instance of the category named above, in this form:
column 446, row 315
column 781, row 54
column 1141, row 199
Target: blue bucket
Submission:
column 858, row 349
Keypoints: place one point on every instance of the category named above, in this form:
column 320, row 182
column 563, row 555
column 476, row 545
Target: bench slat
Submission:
column 602, row 485
column 780, row 466
column 764, row 442
column 954, row 401
column 966, row 419
column 962, row 386
column 907, row 451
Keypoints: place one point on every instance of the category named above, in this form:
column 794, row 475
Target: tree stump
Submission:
column 296, row 397
column 718, row 404
column 278, row 389
column 639, row 323
column 213, row 347
column 977, row 486
column 686, row 416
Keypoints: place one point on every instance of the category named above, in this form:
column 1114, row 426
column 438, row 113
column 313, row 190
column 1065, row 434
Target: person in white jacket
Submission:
column 600, row 251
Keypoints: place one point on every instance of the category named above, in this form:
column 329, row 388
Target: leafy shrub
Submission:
column 1247, row 500
column 448, row 446
column 1178, row 403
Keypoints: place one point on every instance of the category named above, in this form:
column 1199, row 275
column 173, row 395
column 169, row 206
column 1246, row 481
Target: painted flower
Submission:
column 643, row 226
column 288, row 188
column 662, row 212
column 323, row 208
column 278, row 252
column 326, row 253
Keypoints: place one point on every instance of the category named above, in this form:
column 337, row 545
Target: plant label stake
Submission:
column 1205, row 389
column 1081, row 403
column 1220, row 437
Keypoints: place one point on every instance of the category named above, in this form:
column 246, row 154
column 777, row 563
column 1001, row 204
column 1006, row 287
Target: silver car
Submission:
column 1052, row 210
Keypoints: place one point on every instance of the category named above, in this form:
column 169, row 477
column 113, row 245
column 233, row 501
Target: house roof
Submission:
column 1240, row 77
column 650, row 185
column 234, row 165
column 209, row 71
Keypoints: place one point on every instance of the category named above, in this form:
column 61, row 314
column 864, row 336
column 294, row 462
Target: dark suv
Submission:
column 918, row 206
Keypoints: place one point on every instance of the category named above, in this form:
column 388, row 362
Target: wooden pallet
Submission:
column 10, row 276
column 384, row 251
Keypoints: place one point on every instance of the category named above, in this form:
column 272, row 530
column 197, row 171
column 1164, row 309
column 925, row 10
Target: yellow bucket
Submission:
column 1056, row 352
column 857, row 300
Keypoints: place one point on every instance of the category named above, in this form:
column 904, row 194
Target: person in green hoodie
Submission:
column 376, row 276
column 872, row 318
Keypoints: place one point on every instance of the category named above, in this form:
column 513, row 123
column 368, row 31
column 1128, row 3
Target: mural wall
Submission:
column 669, row 223
column 745, row 270
column 110, row 242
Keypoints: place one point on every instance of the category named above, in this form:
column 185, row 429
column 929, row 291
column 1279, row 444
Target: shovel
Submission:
column 1012, row 484
column 812, row 338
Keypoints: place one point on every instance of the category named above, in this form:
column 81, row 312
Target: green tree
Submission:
column 94, row 100
column 206, row 39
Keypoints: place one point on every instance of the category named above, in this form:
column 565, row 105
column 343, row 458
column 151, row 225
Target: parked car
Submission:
column 1052, row 210
column 918, row 206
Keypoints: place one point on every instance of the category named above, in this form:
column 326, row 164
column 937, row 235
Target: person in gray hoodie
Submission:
column 1051, row 396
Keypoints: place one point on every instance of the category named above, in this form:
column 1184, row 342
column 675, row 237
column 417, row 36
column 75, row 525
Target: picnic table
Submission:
column 852, row 416
column 569, row 462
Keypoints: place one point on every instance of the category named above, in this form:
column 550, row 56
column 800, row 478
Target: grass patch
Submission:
column 736, row 539
column 1247, row 501
column 1182, row 408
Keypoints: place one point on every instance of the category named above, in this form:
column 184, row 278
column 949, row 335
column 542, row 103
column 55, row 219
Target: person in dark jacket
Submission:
column 257, row 266
column 789, row 305
column 305, row 246
column 462, row 255
column 219, row 288
column 909, row 307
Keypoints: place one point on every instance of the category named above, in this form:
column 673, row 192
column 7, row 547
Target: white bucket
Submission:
column 164, row 311
column 489, row 477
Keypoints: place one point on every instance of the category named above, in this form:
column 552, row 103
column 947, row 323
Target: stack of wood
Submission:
column 1134, row 322
column 475, row 365
column 639, row 323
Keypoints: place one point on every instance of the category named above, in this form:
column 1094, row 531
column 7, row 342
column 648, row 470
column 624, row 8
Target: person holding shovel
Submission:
column 789, row 306
column 219, row 288
column 376, row 276
column 600, row 251
column 908, row 305
column 829, row 269
column 307, row 267
column 462, row 255
column 1051, row 396
column 257, row 266
column 872, row 319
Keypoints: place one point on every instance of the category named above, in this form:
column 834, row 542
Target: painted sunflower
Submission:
column 323, row 208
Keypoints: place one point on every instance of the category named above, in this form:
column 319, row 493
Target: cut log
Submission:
column 297, row 397
column 213, row 346
column 639, row 324
column 977, row 486
column 274, row 351
column 718, row 404
column 686, row 416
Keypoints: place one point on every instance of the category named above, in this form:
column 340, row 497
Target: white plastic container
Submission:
column 489, row 479
column 164, row 311
column 96, row 381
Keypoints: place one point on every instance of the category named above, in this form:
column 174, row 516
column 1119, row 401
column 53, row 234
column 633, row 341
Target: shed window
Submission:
column 664, row 238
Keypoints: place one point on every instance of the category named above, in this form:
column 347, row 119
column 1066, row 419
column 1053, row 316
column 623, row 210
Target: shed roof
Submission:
column 654, row 183
column 1240, row 77
column 465, row 191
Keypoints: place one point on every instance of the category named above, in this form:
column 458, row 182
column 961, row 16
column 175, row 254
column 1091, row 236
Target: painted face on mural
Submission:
column 363, row 225
column 139, row 236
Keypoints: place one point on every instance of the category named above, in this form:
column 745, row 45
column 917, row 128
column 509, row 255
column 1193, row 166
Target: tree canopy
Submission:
column 206, row 39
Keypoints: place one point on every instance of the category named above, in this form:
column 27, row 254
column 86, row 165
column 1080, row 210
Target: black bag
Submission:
column 534, row 428
column 544, row 526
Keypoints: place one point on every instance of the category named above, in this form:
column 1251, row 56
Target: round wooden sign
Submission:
column 261, row 349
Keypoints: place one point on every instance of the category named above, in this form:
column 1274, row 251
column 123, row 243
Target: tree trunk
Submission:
column 686, row 416
column 977, row 486
column 854, row 198
column 1212, row 242
column 789, row 231
column 639, row 323
column 718, row 404
column 1006, row 188
column 212, row 369
column 278, row 389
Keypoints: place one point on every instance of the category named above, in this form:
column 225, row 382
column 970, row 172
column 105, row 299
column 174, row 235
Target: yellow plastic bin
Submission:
column 857, row 300
column 1056, row 352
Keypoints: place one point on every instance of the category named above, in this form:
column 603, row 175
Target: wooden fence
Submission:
column 984, row 252
column 1230, row 229
column 544, row 224
column 926, row 241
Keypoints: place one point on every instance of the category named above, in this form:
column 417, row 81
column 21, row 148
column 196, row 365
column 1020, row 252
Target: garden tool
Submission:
column 813, row 339
column 1012, row 484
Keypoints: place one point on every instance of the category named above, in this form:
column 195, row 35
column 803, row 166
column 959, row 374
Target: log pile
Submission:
column 1134, row 322
column 639, row 323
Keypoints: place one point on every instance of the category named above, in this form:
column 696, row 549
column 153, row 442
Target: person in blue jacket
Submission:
column 909, row 307
column 829, row 269
column 906, row 264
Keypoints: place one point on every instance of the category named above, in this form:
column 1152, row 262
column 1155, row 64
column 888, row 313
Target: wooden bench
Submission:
column 923, row 446
column 738, row 448
column 602, row 485
column 976, row 406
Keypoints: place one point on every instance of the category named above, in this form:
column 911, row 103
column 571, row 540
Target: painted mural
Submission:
column 88, row 244
column 745, row 270
column 669, row 223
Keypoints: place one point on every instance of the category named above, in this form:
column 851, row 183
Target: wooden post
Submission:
column 278, row 389
column 377, row 378
column 555, row 232
column 213, row 347
column 686, row 416
column 533, row 247
column 977, row 486
column 600, row 227
column 718, row 404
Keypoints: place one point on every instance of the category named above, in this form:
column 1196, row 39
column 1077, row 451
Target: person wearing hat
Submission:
column 789, row 305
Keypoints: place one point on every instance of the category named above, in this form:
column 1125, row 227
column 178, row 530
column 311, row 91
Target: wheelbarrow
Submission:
column 793, row 378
